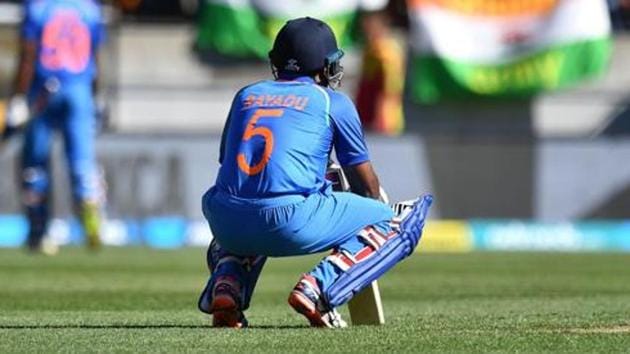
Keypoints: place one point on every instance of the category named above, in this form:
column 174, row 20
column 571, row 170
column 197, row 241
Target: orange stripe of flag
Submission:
column 489, row 7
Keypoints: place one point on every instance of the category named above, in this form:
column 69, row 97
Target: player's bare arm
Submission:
column 18, row 111
column 363, row 180
column 26, row 67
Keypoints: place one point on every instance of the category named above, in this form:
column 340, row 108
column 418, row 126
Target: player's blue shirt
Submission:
column 67, row 34
column 279, row 135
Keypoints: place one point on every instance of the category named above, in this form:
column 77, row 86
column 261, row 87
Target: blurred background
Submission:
column 519, row 128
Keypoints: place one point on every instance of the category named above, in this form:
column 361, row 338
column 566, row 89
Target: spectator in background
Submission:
column 54, row 89
column 228, row 32
column 619, row 14
column 380, row 91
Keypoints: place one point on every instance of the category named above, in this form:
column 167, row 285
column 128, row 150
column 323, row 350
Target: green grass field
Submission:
column 136, row 299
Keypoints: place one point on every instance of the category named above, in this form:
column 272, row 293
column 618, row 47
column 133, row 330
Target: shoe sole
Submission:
column 225, row 312
column 306, row 307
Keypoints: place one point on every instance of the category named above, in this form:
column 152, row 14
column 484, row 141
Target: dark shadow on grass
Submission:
column 132, row 326
column 279, row 327
column 110, row 326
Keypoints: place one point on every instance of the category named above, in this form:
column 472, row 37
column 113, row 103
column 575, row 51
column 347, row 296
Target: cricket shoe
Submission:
column 45, row 246
column 225, row 306
column 306, row 299
column 90, row 217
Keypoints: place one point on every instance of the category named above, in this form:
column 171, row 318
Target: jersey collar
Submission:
column 289, row 78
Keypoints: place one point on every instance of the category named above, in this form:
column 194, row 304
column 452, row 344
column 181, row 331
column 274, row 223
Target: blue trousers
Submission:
column 294, row 225
column 71, row 112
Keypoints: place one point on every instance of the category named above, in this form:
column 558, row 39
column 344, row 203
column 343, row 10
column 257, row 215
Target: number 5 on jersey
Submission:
column 252, row 130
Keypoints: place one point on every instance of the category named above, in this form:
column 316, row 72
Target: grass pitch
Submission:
column 142, row 300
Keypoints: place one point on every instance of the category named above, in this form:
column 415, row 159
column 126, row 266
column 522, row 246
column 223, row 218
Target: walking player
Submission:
column 271, row 197
column 54, row 89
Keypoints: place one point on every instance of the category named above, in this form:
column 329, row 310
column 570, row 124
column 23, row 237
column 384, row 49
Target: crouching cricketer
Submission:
column 271, row 197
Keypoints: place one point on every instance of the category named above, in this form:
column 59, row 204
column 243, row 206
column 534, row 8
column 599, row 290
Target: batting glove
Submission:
column 17, row 111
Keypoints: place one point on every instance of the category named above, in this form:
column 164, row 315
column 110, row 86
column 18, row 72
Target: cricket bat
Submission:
column 365, row 307
column 5, row 131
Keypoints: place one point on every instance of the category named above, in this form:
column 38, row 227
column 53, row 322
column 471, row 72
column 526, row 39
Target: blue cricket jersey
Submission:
column 67, row 34
column 279, row 135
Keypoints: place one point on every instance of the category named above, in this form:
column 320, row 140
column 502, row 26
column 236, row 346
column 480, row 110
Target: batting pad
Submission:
column 397, row 247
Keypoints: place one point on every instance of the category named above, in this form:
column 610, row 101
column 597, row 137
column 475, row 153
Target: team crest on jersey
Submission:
column 292, row 65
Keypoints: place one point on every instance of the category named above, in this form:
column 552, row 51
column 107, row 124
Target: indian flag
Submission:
column 504, row 48
column 246, row 28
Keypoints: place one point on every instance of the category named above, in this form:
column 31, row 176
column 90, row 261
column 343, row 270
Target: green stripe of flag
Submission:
column 242, row 32
column 435, row 78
